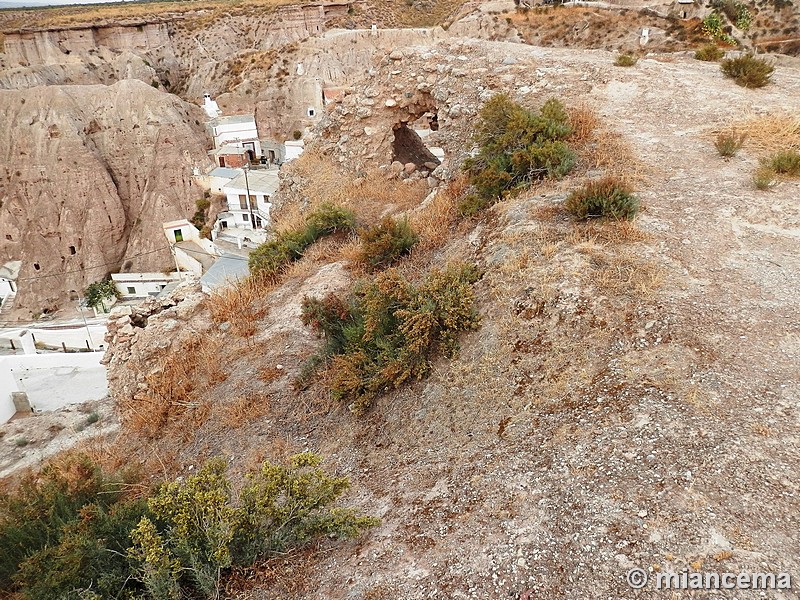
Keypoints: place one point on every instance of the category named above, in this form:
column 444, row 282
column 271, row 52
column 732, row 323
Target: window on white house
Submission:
column 131, row 290
column 312, row 112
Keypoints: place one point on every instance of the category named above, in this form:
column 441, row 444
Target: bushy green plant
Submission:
column 330, row 218
column 99, row 291
column 384, row 243
column 387, row 332
column 728, row 143
column 748, row 71
column 65, row 531
column 713, row 28
column 89, row 558
column 709, row 53
column 744, row 18
column 516, row 147
column 201, row 214
column 605, row 197
column 786, row 162
column 200, row 528
column 764, row 177
column 270, row 258
column 625, row 60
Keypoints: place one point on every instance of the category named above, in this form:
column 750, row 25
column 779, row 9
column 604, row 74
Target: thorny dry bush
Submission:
column 177, row 388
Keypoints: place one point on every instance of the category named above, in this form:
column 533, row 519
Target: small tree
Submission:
column 99, row 291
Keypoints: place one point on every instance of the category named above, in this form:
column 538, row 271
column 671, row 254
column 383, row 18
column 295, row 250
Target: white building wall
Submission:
column 188, row 263
column 8, row 384
column 6, row 287
column 143, row 284
column 79, row 361
column 293, row 149
column 241, row 215
column 238, row 134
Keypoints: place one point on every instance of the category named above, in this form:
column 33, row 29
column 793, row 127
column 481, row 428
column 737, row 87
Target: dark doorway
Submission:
column 409, row 148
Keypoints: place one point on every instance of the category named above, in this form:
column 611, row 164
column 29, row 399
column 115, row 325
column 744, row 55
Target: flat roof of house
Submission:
column 227, row 149
column 228, row 269
column 225, row 172
column 265, row 182
column 232, row 120
column 10, row 270
column 197, row 252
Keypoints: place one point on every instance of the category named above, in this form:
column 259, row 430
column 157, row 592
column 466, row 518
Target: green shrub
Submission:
column 713, row 28
column 764, row 177
column 201, row 214
column 270, row 258
column 64, row 531
column 744, row 18
column 625, row 60
column 709, row 53
column 330, row 218
column 92, row 418
column 472, row 204
column 786, row 163
column 21, row 442
column 200, row 528
column 297, row 134
column 516, row 147
column 384, row 243
column 388, row 331
column 728, row 143
column 606, row 197
column 748, row 71
column 99, row 291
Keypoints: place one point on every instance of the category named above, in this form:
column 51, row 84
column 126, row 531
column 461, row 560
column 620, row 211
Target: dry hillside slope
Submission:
column 631, row 398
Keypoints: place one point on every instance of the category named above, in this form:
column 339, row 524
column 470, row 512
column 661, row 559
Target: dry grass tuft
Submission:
column 601, row 148
column 242, row 409
column 584, row 122
column 434, row 221
column 609, row 232
column 622, row 273
column 241, row 305
column 766, row 134
column 370, row 196
column 176, row 388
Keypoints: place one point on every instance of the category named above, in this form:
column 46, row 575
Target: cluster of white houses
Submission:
column 245, row 171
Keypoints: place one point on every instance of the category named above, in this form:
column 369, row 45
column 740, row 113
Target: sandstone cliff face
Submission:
column 88, row 174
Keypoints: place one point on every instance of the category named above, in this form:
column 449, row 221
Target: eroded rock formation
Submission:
column 88, row 174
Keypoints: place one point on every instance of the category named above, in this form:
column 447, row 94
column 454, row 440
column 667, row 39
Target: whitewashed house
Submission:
column 261, row 185
column 192, row 253
column 211, row 107
column 237, row 130
column 220, row 177
column 292, row 149
column 134, row 286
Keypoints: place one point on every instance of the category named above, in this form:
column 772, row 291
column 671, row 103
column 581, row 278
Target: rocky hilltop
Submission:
column 87, row 176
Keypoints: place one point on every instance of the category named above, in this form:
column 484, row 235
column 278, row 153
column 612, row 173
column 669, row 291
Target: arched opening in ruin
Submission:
column 409, row 146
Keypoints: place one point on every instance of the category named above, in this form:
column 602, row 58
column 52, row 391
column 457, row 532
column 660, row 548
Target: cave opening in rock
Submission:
column 408, row 147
